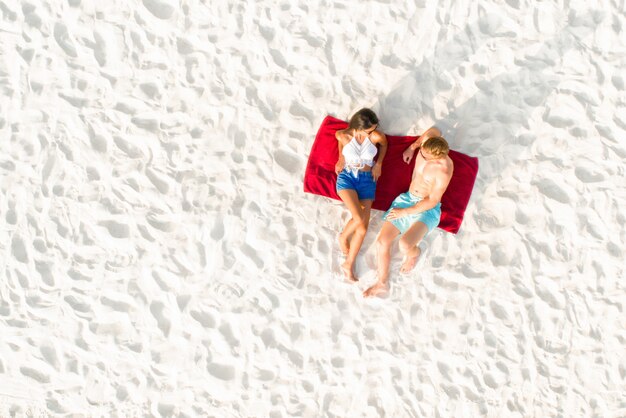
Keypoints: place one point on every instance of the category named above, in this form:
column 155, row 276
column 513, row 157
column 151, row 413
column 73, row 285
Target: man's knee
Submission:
column 383, row 242
column 405, row 246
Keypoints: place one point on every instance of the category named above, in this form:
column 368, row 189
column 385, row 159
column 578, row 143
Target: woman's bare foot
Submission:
column 378, row 289
column 347, row 272
column 344, row 244
column 409, row 262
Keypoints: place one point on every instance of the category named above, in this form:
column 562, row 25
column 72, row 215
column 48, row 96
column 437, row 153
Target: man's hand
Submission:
column 407, row 155
column 376, row 171
column 339, row 166
column 396, row 213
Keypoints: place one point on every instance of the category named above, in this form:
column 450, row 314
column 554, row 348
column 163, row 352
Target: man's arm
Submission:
column 407, row 155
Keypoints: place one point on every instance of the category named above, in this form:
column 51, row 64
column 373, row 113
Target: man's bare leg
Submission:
column 410, row 260
column 384, row 241
column 408, row 245
column 359, row 211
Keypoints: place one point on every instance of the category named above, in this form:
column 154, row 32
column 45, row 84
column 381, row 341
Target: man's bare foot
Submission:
column 379, row 289
column 347, row 272
column 409, row 262
column 344, row 244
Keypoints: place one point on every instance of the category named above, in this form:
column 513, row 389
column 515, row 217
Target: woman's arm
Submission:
column 381, row 141
column 340, row 161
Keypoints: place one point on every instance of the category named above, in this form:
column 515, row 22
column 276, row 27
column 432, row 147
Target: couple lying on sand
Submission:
column 412, row 214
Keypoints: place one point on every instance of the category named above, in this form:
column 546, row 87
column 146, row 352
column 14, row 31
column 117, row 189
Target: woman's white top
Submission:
column 357, row 156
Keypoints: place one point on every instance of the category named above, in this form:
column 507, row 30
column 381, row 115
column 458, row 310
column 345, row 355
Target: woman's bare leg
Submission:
column 344, row 237
column 360, row 217
column 358, row 234
column 348, row 230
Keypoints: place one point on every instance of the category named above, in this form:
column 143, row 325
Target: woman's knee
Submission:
column 361, row 226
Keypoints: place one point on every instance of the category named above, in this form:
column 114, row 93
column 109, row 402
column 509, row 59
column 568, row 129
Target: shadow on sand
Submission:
column 493, row 125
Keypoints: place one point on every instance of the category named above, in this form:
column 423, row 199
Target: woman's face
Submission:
column 368, row 131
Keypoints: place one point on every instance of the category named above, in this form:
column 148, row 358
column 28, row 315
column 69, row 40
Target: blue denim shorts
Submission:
column 361, row 181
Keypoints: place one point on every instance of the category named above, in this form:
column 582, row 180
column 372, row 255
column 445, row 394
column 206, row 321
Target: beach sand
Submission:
column 159, row 257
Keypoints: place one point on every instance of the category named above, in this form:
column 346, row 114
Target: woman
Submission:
column 356, row 179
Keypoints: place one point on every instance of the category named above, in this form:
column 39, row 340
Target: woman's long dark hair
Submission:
column 363, row 119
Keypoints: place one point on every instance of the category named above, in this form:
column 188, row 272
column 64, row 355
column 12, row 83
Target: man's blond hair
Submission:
column 437, row 146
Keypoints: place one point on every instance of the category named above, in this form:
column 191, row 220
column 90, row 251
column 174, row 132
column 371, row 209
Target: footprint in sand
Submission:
column 77, row 304
column 251, row 254
column 557, row 191
column 50, row 355
column 217, row 232
column 100, row 48
column 221, row 371
column 160, row 181
column 151, row 89
column 35, row 374
column 129, row 149
column 157, row 309
column 265, row 375
column 161, row 9
column 521, row 289
column 279, row 58
column 18, row 249
column 204, row 318
column 45, row 271
column 62, row 37
column 287, row 160
column 588, row 174
column 269, row 338
column 548, row 291
column 267, row 32
column 98, row 142
column 298, row 109
column 116, row 305
column 145, row 122
column 11, row 216
column 183, row 46
column 227, row 332
column 116, row 229
column 160, row 222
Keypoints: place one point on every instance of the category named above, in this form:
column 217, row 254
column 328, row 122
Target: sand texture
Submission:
column 159, row 257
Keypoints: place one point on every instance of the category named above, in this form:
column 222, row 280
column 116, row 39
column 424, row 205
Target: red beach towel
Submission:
column 320, row 177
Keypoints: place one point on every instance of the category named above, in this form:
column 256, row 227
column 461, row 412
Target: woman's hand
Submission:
column 407, row 155
column 339, row 166
column 376, row 171
column 396, row 213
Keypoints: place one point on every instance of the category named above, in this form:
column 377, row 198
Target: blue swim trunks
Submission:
column 361, row 181
column 430, row 217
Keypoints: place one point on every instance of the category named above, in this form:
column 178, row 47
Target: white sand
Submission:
column 159, row 257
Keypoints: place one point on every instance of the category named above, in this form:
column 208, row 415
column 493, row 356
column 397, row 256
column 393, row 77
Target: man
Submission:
column 416, row 212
